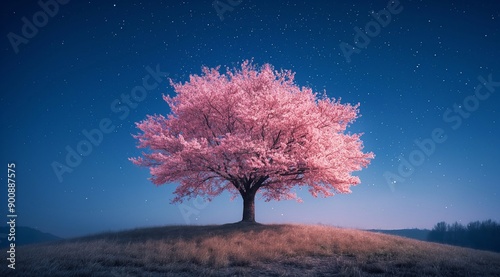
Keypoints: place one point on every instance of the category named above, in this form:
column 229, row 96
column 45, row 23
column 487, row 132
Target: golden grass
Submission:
column 250, row 250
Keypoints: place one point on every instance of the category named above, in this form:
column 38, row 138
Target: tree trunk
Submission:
column 249, row 207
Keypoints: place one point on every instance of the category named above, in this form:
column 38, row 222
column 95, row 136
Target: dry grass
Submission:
column 250, row 250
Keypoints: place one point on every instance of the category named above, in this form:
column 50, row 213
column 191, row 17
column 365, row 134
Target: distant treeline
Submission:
column 480, row 235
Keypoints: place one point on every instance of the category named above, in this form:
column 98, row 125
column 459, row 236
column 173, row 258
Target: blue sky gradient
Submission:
column 417, row 74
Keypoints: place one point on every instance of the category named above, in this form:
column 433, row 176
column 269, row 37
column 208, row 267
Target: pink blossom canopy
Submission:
column 251, row 127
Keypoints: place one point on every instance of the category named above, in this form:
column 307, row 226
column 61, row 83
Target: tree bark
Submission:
column 248, row 207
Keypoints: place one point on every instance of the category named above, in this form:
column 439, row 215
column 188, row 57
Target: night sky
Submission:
column 428, row 84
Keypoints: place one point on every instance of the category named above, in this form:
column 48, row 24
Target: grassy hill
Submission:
column 249, row 250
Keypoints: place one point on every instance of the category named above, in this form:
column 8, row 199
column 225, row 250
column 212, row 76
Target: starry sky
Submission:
column 427, row 79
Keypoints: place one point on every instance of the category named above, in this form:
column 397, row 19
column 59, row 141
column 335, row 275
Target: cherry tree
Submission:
column 251, row 130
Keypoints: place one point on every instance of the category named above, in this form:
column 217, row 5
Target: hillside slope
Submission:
column 249, row 250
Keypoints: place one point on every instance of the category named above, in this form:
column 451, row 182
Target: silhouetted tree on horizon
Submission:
column 483, row 235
